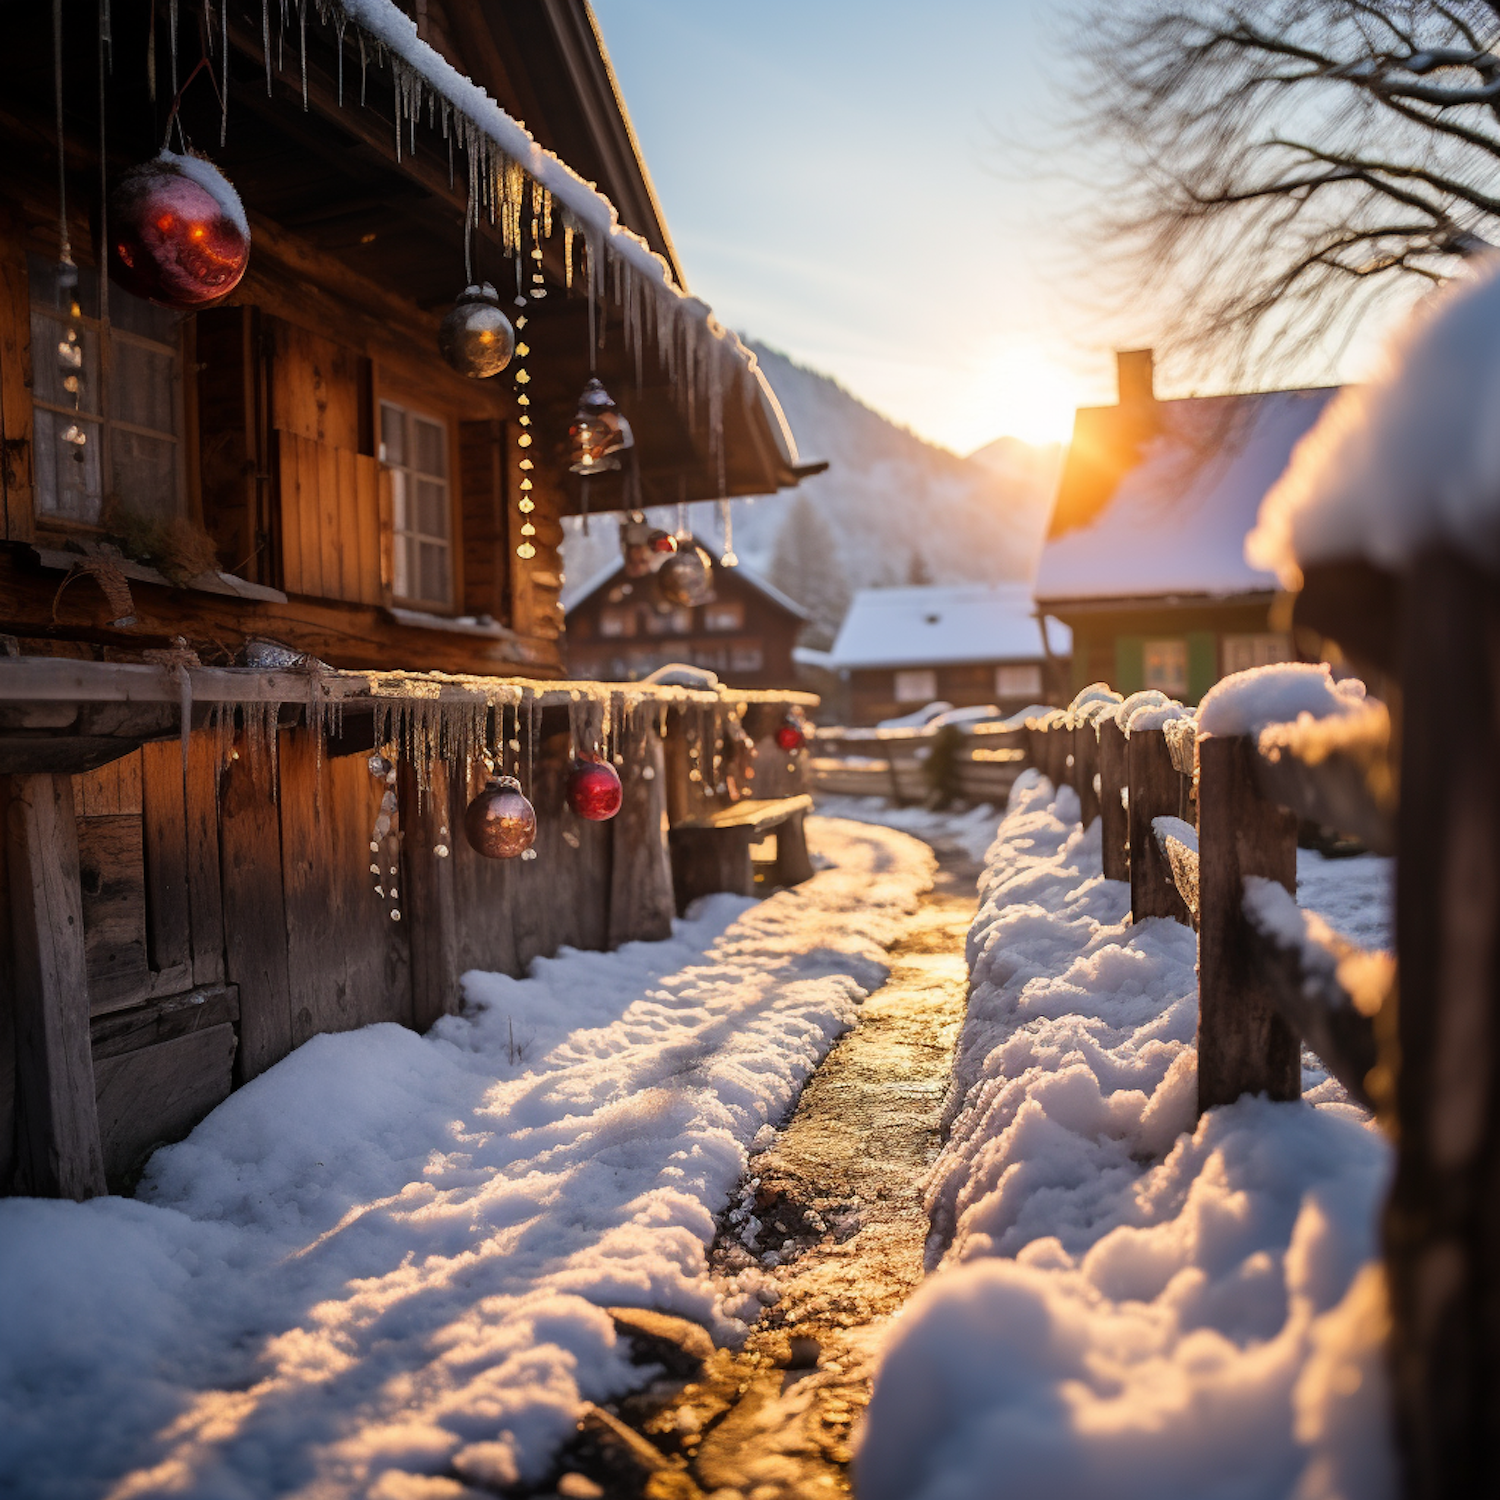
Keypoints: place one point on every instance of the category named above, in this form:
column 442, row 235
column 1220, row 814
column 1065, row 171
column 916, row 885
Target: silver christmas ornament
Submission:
column 476, row 338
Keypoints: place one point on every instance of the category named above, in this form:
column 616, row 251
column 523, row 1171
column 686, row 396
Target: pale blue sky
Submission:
column 835, row 180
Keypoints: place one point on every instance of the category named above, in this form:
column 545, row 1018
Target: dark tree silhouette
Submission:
column 1289, row 161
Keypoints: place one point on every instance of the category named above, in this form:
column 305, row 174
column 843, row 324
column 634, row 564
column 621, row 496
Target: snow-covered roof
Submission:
column 573, row 597
column 1175, row 521
column 1408, row 461
column 503, row 162
column 937, row 624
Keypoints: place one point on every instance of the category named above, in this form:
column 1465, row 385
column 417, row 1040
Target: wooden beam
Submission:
column 59, row 1154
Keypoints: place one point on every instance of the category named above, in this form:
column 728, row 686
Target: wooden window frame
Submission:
column 397, row 398
column 107, row 334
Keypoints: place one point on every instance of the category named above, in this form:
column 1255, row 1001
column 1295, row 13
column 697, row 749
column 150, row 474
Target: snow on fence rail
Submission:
column 1200, row 814
column 974, row 763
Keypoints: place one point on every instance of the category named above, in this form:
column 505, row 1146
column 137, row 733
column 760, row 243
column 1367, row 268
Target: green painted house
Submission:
column 1144, row 558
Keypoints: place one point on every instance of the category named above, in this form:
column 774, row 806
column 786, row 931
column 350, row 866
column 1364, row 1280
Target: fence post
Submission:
column 1442, row 1227
column 1114, row 776
column 1244, row 1047
column 1154, row 793
column 1085, row 763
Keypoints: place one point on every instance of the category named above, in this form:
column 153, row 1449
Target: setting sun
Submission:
column 1020, row 392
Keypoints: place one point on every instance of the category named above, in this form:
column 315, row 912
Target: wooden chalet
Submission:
column 965, row 644
column 744, row 634
column 255, row 644
column 1144, row 557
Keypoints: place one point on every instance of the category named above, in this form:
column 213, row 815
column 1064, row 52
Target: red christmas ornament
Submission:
column 663, row 541
column 790, row 735
column 594, row 790
column 177, row 232
column 500, row 823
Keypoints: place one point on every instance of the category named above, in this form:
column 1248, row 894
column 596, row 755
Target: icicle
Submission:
column 265, row 40
column 338, row 29
column 172, row 24
column 302, row 42
column 361, row 36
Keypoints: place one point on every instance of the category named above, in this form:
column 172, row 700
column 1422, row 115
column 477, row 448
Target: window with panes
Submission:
column 415, row 449
column 106, row 399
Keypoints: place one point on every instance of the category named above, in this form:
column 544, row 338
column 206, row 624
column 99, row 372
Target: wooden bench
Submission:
column 712, row 852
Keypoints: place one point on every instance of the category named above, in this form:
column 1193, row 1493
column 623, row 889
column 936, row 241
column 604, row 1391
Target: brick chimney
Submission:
column 1134, row 373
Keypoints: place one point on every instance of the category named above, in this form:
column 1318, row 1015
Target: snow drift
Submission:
column 379, row 1269
column 1122, row 1303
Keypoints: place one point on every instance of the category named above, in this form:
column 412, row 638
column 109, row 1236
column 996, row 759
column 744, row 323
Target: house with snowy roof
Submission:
column 1144, row 557
column 619, row 629
column 968, row 644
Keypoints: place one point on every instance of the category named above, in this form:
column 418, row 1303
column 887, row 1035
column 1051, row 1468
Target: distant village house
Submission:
column 618, row 631
column 967, row 644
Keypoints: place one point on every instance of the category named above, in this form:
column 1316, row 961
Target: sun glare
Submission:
column 1022, row 393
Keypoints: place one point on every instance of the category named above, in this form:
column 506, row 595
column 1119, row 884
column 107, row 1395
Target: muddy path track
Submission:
column 829, row 1227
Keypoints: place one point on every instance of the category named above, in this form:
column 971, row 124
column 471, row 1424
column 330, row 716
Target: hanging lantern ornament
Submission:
column 476, row 338
column 500, row 823
column 594, row 791
column 178, row 235
column 599, row 433
column 686, row 577
column 791, row 733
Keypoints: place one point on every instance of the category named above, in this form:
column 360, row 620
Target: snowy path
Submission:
column 833, row 1213
column 379, row 1270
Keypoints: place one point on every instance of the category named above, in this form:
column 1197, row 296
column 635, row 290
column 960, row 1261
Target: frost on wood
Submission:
column 1406, row 462
column 1249, row 701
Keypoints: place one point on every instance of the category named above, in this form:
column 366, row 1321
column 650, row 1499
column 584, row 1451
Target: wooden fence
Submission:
column 1206, row 832
column 974, row 763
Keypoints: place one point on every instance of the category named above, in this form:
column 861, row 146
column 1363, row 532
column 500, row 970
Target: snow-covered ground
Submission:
column 1123, row 1304
column 973, row 830
column 379, row 1269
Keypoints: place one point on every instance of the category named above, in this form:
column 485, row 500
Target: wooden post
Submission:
column 1085, row 764
column 1244, row 1047
column 1154, row 793
column 1442, row 1227
column 430, row 820
column 641, row 902
column 254, row 917
column 793, row 863
column 1114, row 776
column 58, row 1151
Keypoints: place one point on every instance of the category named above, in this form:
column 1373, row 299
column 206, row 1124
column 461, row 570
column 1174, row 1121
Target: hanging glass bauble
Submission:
column 791, row 733
column 594, row 791
column 476, row 338
column 663, row 541
column 599, row 433
column 687, row 576
column 178, row 235
column 500, row 823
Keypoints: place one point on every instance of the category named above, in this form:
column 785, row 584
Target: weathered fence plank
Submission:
column 1114, row 777
column 1442, row 1227
column 1154, row 793
column 1244, row 1046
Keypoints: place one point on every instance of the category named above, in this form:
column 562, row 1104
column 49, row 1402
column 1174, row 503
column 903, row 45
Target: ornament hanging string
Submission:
column 204, row 64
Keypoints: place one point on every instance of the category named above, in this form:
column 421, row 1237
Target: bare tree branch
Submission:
column 1283, row 162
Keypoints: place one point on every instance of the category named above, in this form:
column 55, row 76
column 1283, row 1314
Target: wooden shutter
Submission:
column 335, row 511
column 485, row 537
